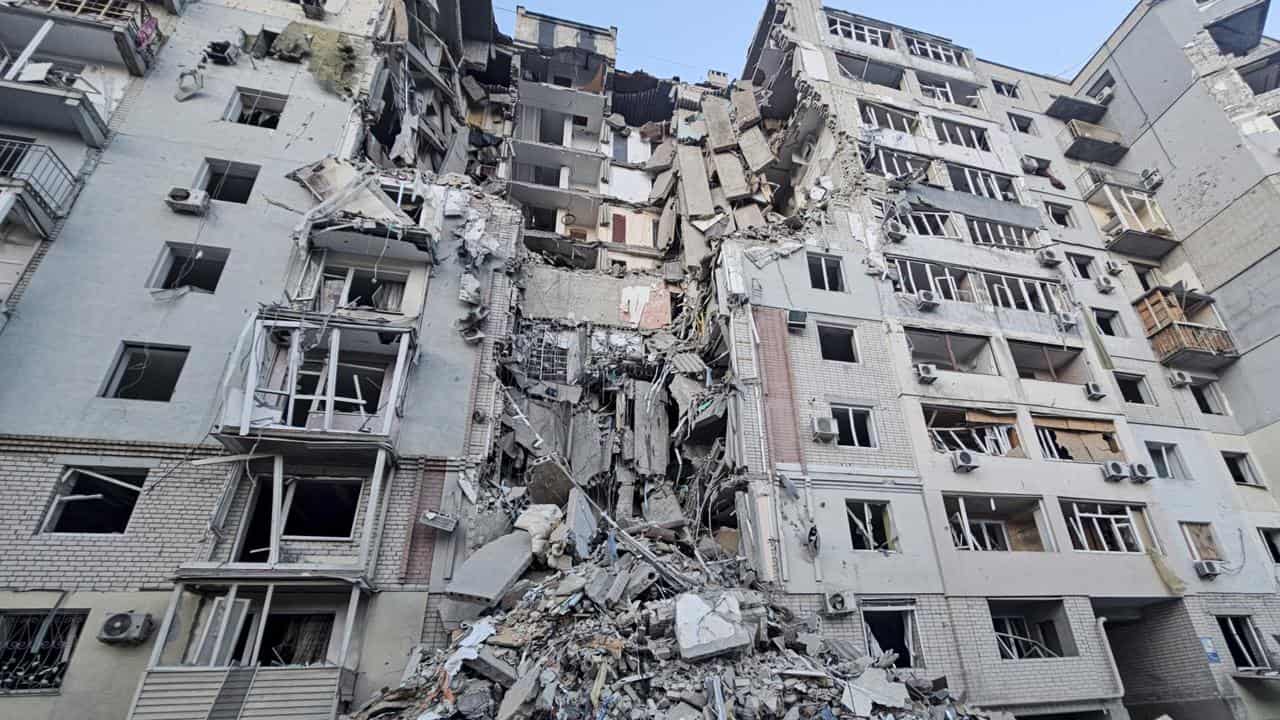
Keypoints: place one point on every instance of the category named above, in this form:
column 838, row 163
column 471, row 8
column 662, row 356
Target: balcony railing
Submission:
column 1095, row 177
column 1085, row 141
column 40, row 168
column 1183, row 338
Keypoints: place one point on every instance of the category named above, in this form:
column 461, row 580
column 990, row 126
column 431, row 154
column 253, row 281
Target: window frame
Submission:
column 176, row 252
column 1030, row 124
column 287, row 507
column 984, row 183
column 826, row 261
column 859, row 525
column 870, row 113
column 936, row 51
column 330, row 271
column 1113, row 521
column 275, row 102
column 1066, row 210
column 1185, row 527
column 120, row 365
column 1014, row 238
column 231, row 169
column 1213, row 396
column 54, row 512
column 873, row 436
column 858, row 31
column 1148, row 398
column 1170, row 458
column 1112, row 318
column 70, row 623
column 1248, row 470
column 1010, row 89
column 1251, row 645
column 853, row 343
column 1272, row 546
column 950, row 132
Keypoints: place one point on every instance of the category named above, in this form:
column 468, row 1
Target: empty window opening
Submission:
column 1006, row 89
column 1201, row 541
column 1081, row 265
column 1244, row 642
column 952, row 92
column 1049, row 363
column 1108, row 322
column 547, row 357
column 295, row 639
column 1077, row 440
column 359, row 380
column 229, row 181
column 954, row 133
column 921, row 47
column 1271, row 540
column 1000, row 235
column 1031, row 629
column 931, row 223
column 321, row 507
column 825, row 273
column 1241, row 469
column 982, row 431
column 36, row 648
column 996, row 524
column 837, row 343
column 1262, row 76
column 1022, row 124
column 256, row 107
column 1134, row 389
column 1148, row 276
column 982, row 183
column 854, row 427
column 891, row 627
column 1209, row 397
column 890, row 163
column 854, row 30
column 1060, row 215
column 1017, row 293
column 888, row 118
column 855, row 67
column 1107, row 527
column 951, row 351
column 350, row 288
column 870, row 526
column 1167, row 461
column 94, row 500
column 191, row 266
column 145, row 372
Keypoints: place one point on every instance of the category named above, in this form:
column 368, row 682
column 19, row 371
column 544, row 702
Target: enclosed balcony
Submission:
column 1125, row 209
column 44, row 186
column 1087, row 142
column 111, row 32
column 1185, row 330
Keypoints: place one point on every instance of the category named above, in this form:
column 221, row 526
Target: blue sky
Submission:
column 686, row 37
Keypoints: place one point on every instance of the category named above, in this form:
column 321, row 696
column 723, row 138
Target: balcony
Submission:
column 1068, row 108
column 46, row 188
column 107, row 32
column 1087, row 142
column 1184, row 329
column 308, row 693
column 1125, row 209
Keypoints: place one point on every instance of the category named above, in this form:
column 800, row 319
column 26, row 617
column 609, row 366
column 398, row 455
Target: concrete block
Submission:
column 487, row 663
column 492, row 570
column 695, row 188
column 706, row 628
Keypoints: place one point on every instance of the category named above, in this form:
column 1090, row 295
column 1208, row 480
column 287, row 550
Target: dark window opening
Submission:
column 825, row 273
column 837, row 343
column 36, row 648
column 230, row 181
column 1271, row 539
column 257, row 108
column 1243, row 642
column 322, row 508
column 892, row 630
column 301, row 639
column 1133, row 388
column 867, row 70
column 1031, row 629
column 1082, row 265
column 854, row 427
column 1009, row 90
column 1241, row 468
column 951, row 351
column 1208, row 398
column 1262, row 76
column 1022, row 124
column 1108, row 322
column 146, row 372
column 193, row 266
column 95, row 500
column 1060, row 215
column 869, row 525
column 619, row 229
column 619, row 147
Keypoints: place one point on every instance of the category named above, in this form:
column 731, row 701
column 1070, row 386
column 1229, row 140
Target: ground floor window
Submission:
column 36, row 647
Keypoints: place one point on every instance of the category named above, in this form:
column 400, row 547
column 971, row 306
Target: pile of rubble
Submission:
column 582, row 619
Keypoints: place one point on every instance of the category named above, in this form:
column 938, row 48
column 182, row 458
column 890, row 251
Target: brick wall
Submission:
column 408, row 546
column 779, row 395
column 1160, row 657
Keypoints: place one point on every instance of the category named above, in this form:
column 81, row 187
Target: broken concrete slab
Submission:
column 487, row 663
column 695, row 244
column 521, row 693
column 749, row 216
column 720, row 130
column 548, row 482
column 662, row 509
column 695, row 188
column 745, row 106
column 490, row 571
column 755, row 148
column 874, row 684
column 662, row 158
column 732, row 179
column 662, row 187
column 705, row 628
column 581, row 519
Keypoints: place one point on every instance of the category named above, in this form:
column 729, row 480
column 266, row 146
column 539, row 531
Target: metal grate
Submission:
column 35, row 648
column 546, row 360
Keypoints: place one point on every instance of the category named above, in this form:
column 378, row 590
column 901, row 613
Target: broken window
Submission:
column 1209, row 397
column 888, row 118
column 994, row 234
column 1108, row 322
column 1018, row 293
column 94, row 500
column 1241, row 469
column 855, row 67
column 321, row 508
column 951, row 351
column 870, row 525
column 1103, row 88
column 1244, row 642
column 228, row 181
column 295, row 639
column 1027, row 629
column 854, row 427
column 1007, row 89
column 854, row 30
column 36, row 648
column 996, row 524
column 256, row 107
column 547, row 357
column 350, row 288
column 1060, row 215
column 1262, row 76
column 1081, row 265
column 357, row 388
column 953, row 92
column 1201, row 541
column 954, row 133
column 891, row 627
column 825, row 273
column 1107, row 527
column 947, row 283
column 1167, row 461
column 145, row 372
column 921, row 47
column 982, row 431
column 1134, row 389
column 983, row 183
column 837, row 343
column 931, row 224
column 1022, row 124
column 1077, row 440
column 619, row 148
column 1148, row 275
column 189, row 265
column 890, row 163
column 1050, row 363
column 1271, row 540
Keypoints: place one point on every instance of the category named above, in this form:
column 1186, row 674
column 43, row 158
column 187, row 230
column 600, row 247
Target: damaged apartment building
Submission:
column 365, row 360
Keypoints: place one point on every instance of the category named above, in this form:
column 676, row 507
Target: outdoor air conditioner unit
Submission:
column 187, row 201
column 126, row 628
column 797, row 320
column 1049, row 257
column 1105, row 284
column 926, row 300
column 1107, row 95
column 964, row 461
column 1152, row 179
column 1066, row 320
column 895, row 231
column 1141, row 473
column 1094, row 391
column 927, row 374
column 1114, row 471
column 1180, row 378
column 1209, row 569
column 1114, row 268
column 824, row 429
column 838, row 603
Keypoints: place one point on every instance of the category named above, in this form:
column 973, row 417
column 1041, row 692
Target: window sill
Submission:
column 30, row 693
column 81, row 535
column 1255, row 486
column 309, row 538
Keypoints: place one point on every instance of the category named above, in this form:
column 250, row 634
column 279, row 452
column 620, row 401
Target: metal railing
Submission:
column 99, row 9
column 1179, row 336
column 1094, row 176
column 1081, row 130
column 39, row 167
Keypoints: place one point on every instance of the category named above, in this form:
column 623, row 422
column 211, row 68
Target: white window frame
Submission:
column 1167, row 454
column 985, row 183
column 839, row 263
column 914, row 642
column 874, row 436
column 936, row 51
column 1070, row 212
column 854, row 30
column 1013, row 91
column 291, row 486
column 950, row 132
column 893, row 163
column 1031, row 124
column 1215, row 397
column 865, row 526
column 55, row 507
column 330, row 271
column 1144, row 389
column 937, row 90
column 932, row 223
column 1252, row 644
column 893, row 119
column 989, row 233
column 1185, row 528
column 1252, row 477
column 1105, row 524
column 1273, row 548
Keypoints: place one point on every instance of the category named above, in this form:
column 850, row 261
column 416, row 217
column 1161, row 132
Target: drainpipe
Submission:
column 1111, row 661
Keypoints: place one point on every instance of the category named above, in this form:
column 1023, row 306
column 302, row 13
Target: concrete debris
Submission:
column 707, row 628
column 492, row 569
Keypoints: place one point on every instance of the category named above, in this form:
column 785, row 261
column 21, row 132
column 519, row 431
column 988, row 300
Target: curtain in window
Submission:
column 389, row 295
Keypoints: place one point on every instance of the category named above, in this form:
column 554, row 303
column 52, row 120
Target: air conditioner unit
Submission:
column 895, row 231
column 927, row 374
column 126, row 628
column 1107, row 94
column 797, row 320
column 926, row 300
column 1049, row 257
column 1114, row 268
column 1105, row 284
column 1180, row 378
column 1141, row 473
column 824, row 429
column 964, row 461
column 438, row 520
column 1066, row 320
column 1114, row 471
column 1152, row 179
column 838, row 603
column 1094, row 391
column 187, row 201
column 1209, row 569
